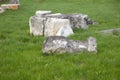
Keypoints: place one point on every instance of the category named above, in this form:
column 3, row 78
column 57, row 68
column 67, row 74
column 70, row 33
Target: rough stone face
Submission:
column 2, row 10
column 13, row 1
column 10, row 6
column 57, row 27
column 76, row 20
column 60, row 44
column 54, row 26
column 36, row 25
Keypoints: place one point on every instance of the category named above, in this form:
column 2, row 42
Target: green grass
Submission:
column 21, row 57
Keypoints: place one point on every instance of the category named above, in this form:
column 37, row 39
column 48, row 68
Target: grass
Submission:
column 21, row 57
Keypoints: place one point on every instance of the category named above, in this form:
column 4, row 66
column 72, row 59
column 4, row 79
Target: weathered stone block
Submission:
column 36, row 25
column 2, row 10
column 13, row 1
column 53, row 23
column 55, row 14
column 60, row 44
column 76, row 20
column 42, row 13
column 58, row 27
column 115, row 31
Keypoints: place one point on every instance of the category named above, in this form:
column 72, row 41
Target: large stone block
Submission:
column 36, row 25
column 58, row 27
column 60, row 44
column 77, row 20
column 40, row 25
column 53, row 23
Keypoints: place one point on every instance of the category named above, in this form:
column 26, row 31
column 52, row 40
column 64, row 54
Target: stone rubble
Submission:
column 36, row 25
column 58, row 27
column 42, row 19
column 115, row 31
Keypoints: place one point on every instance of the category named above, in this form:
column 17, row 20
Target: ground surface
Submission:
column 21, row 57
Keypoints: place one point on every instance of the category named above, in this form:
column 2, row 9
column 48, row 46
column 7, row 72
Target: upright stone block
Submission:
column 36, row 25
column 58, row 27
column 58, row 24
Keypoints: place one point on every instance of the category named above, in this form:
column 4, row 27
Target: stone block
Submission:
column 57, row 27
column 60, row 44
column 53, row 23
column 36, row 25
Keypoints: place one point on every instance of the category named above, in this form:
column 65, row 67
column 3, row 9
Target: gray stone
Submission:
column 60, row 44
column 76, row 20
column 57, row 27
column 115, row 31
column 40, row 25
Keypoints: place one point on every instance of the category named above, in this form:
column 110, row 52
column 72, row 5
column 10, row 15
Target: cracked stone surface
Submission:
column 60, row 44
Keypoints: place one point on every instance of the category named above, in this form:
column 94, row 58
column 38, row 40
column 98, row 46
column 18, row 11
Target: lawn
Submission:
column 21, row 55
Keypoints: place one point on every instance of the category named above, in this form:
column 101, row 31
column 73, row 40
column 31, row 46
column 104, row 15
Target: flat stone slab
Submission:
column 10, row 6
column 36, row 25
column 60, row 44
column 115, row 31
